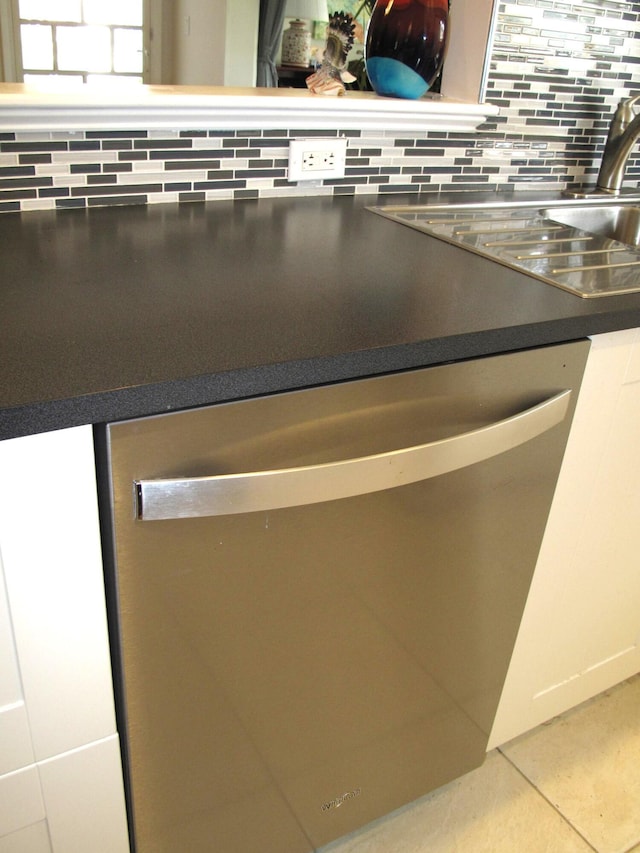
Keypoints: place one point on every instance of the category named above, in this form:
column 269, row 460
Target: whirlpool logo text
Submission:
column 338, row 801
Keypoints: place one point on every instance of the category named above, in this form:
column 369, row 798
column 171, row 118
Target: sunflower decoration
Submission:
column 332, row 75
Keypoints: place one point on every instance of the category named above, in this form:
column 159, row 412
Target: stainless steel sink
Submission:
column 616, row 221
column 590, row 248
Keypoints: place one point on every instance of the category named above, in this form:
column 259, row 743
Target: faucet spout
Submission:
column 623, row 134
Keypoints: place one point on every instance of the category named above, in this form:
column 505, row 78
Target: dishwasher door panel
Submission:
column 288, row 675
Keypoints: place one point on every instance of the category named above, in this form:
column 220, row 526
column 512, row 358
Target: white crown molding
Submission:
column 180, row 107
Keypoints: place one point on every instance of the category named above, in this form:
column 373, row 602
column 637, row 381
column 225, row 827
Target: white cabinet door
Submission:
column 31, row 839
column 50, row 545
column 54, row 654
column 85, row 778
column 15, row 738
column 580, row 632
column 21, row 801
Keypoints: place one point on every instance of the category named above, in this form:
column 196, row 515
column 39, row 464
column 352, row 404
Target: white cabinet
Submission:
column 21, row 802
column 15, row 737
column 580, row 632
column 58, row 741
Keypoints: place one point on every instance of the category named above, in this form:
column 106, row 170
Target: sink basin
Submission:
column 589, row 249
column 615, row 221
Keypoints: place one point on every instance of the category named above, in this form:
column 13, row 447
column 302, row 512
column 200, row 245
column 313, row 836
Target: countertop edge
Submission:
column 200, row 390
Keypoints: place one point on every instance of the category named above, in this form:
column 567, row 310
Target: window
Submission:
column 83, row 41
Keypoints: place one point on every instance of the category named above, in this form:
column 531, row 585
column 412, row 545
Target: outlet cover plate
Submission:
column 317, row 158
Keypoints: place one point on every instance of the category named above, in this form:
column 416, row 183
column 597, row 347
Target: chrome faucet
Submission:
column 623, row 134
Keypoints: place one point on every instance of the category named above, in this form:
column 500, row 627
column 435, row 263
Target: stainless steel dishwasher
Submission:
column 315, row 595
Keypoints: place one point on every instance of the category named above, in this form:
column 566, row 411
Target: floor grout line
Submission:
column 547, row 800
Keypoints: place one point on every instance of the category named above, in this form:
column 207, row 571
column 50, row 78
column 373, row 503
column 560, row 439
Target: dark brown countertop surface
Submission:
column 116, row 313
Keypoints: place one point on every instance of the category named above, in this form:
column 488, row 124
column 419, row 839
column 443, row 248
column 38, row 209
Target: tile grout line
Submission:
column 546, row 799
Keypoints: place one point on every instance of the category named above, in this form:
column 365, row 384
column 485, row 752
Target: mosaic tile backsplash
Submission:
column 558, row 70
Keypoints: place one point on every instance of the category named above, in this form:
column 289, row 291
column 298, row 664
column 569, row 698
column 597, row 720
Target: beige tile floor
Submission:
column 569, row 786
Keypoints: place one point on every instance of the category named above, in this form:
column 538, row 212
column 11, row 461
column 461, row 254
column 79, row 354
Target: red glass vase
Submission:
column 406, row 45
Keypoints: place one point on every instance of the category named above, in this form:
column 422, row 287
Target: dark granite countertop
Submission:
column 121, row 312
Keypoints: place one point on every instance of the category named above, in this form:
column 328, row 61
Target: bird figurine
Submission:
column 330, row 78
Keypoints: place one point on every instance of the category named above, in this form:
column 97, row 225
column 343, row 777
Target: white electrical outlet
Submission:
column 316, row 159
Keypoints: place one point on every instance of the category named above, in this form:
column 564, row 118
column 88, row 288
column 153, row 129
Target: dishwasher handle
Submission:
column 255, row 491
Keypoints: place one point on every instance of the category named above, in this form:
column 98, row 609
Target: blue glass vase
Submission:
column 406, row 46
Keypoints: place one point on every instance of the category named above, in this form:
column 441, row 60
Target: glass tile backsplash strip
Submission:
column 558, row 70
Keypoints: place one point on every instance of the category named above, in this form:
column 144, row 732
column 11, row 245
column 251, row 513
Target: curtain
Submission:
column 269, row 34
column 10, row 47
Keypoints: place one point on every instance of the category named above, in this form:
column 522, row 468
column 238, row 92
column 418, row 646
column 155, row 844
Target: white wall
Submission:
column 241, row 51
column 215, row 42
